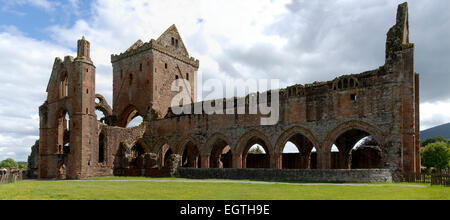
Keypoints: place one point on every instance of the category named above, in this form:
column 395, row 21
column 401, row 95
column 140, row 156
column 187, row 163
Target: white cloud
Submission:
column 434, row 114
column 26, row 67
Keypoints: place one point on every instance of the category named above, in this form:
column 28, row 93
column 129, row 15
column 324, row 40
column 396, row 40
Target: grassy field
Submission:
column 106, row 190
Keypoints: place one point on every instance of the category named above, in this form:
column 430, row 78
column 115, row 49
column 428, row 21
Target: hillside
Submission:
column 441, row 130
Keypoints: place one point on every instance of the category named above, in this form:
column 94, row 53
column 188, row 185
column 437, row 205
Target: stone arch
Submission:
column 284, row 138
column 356, row 130
column 127, row 115
column 63, row 128
column 305, row 135
column 163, row 148
column 61, row 113
column 102, row 105
column 63, row 84
column 345, row 82
column 248, row 140
column 218, row 151
column 188, row 149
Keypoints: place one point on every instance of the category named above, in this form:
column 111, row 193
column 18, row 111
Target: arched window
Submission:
column 64, row 87
column 255, row 154
column 221, row 155
column 298, row 153
column 101, row 148
column 63, row 135
column 190, row 156
column 356, row 149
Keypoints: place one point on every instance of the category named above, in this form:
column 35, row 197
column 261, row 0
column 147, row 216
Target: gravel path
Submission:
column 254, row 182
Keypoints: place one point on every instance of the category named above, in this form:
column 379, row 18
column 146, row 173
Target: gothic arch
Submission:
column 60, row 114
column 160, row 143
column 183, row 142
column 127, row 115
column 207, row 148
column 218, row 150
column 102, row 105
column 345, row 82
column 288, row 134
column 248, row 140
column 345, row 136
column 243, row 141
column 346, row 126
column 188, row 149
column 62, row 128
column 63, row 84
column 163, row 148
column 305, row 141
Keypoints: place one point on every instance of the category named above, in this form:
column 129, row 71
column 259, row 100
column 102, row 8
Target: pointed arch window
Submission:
column 64, row 86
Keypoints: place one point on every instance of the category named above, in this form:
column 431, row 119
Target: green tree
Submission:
column 434, row 140
column 8, row 164
column 255, row 150
column 436, row 155
column 22, row 165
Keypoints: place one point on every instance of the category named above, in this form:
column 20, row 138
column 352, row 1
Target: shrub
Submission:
column 436, row 155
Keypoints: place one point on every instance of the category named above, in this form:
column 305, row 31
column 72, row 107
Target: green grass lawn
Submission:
column 42, row 190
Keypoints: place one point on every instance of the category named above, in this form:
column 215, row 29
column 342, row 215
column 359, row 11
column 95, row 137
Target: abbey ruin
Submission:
column 381, row 103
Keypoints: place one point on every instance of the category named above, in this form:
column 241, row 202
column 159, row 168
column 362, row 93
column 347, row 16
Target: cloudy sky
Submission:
column 296, row 41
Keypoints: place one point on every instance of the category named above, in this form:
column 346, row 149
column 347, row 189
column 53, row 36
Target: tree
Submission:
column 436, row 155
column 9, row 164
column 22, row 165
column 255, row 150
column 434, row 140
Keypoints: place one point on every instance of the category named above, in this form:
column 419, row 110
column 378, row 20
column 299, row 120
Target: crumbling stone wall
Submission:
column 33, row 162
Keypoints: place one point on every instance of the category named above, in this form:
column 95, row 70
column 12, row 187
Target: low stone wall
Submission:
column 360, row 176
column 142, row 172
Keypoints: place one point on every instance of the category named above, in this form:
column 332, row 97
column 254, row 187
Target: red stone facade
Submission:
column 382, row 103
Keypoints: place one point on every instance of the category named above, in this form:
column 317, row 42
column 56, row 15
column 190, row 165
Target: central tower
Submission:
column 143, row 76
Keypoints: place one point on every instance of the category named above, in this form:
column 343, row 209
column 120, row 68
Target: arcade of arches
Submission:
column 356, row 149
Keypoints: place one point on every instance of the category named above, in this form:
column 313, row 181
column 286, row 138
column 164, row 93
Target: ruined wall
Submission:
column 33, row 162
column 114, row 137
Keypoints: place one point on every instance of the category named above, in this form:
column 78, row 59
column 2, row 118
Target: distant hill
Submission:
column 441, row 130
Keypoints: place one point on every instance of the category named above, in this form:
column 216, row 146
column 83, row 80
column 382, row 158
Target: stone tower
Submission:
column 68, row 124
column 143, row 75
